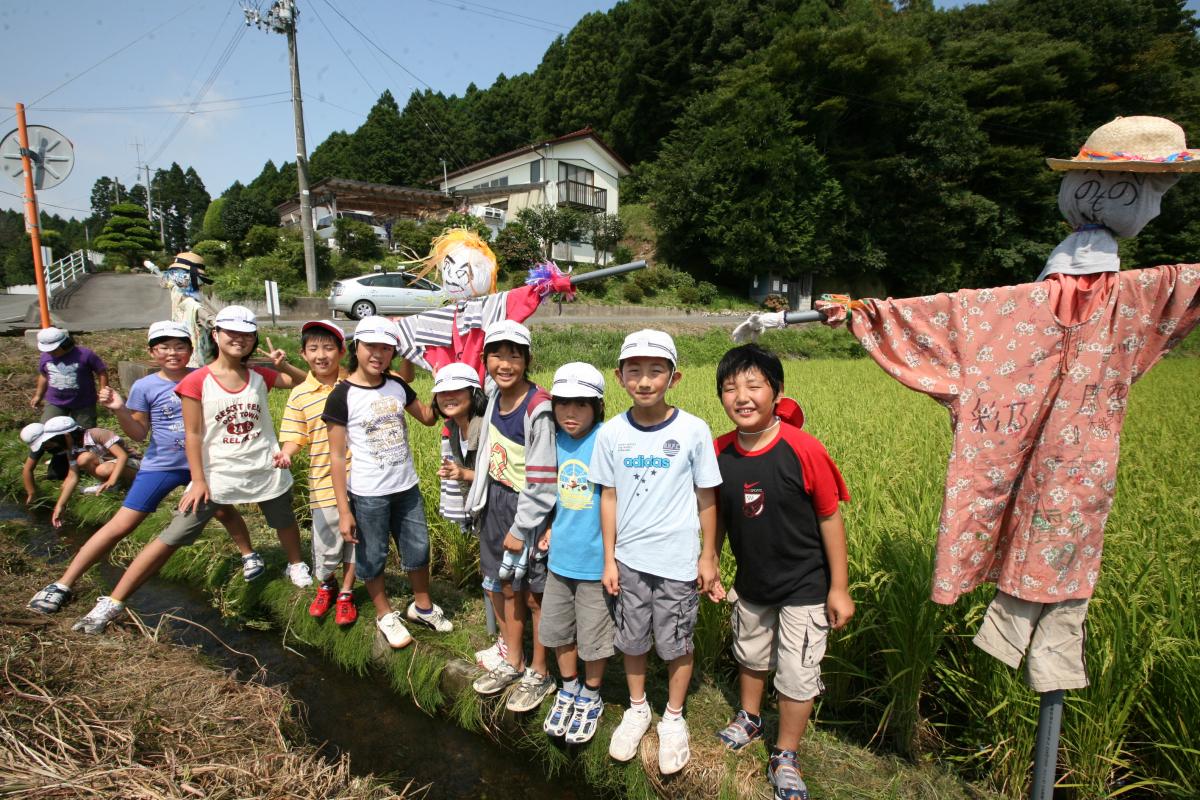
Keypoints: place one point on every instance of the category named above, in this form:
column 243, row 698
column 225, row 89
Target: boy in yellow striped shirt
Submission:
column 322, row 344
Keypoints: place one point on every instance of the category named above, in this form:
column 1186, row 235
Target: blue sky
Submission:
column 446, row 44
column 244, row 117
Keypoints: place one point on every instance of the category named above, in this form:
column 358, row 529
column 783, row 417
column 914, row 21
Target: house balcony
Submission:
column 583, row 196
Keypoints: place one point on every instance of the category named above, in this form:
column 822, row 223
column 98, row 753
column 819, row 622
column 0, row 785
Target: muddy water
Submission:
column 382, row 733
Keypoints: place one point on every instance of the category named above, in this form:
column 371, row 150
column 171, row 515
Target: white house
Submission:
column 577, row 170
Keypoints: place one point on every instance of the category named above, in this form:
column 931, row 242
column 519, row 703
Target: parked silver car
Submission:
column 384, row 293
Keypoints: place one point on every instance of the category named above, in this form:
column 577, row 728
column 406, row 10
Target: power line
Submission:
column 164, row 106
column 50, row 205
column 187, row 111
column 514, row 14
column 320, row 19
column 537, row 24
column 108, row 57
column 335, row 105
column 439, row 132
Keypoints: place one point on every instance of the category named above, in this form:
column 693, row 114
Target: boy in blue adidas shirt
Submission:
column 658, row 470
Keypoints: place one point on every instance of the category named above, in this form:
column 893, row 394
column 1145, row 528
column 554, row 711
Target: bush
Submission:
column 357, row 239
column 775, row 302
column 345, row 267
column 457, row 219
column 246, row 282
column 646, row 280
column 632, row 291
column 516, row 248
column 708, row 293
column 688, row 295
column 621, row 255
column 261, row 240
column 412, row 236
column 214, row 253
column 683, row 279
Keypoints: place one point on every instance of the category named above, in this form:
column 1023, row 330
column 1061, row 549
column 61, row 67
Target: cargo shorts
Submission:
column 577, row 612
column 650, row 606
column 186, row 527
column 1050, row 637
column 789, row 639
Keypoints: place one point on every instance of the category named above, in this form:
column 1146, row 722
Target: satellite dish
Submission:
column 52, row 154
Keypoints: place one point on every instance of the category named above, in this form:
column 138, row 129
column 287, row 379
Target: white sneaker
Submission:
column 435, row 619
column 673, row 749
column 628, row 736
column 96, row 620
column 489, row 658
column 299, row 574
column 393, row 630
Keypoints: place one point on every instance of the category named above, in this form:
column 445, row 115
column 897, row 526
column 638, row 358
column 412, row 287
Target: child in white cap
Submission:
column 576, row 618
column 68, row 376
column 152, row 409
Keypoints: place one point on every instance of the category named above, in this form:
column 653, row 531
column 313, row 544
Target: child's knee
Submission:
column 90, row 463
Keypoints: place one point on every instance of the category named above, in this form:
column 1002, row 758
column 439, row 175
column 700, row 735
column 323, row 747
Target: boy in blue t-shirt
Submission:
column 576, row 620
column 658, row 471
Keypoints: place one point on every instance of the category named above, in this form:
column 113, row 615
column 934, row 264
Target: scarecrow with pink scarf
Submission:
column 1036, row 378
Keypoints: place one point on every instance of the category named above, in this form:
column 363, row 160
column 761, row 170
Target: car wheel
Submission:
column 362, row 308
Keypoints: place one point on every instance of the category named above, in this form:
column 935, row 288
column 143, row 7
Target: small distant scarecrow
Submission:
column 185, row 278
column 1036, row 378
column 468, row 268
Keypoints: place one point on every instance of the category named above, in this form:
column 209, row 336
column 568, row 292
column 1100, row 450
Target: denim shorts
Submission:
column 399, row 516
column 151, row 486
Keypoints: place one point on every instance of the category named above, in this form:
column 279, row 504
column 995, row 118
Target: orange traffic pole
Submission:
column 32, row 219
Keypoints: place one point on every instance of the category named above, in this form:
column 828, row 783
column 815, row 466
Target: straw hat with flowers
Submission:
column 1134, row 144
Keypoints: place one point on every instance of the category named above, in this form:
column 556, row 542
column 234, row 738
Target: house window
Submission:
column 774, row 286
column 571, row 172
column 535, row 171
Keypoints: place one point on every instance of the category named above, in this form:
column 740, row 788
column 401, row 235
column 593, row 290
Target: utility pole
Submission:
column 281, row 18
column 117, row 188
column 445, row 179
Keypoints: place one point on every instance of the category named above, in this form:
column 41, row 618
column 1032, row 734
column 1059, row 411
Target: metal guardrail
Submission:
column 65, row 271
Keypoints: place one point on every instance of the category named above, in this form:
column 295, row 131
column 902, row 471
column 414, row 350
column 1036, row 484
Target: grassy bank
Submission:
column 76, row 719
column 903, row 679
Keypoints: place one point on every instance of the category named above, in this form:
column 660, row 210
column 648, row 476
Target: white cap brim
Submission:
column 454, row 384
column 236, row 325
column 376, row 337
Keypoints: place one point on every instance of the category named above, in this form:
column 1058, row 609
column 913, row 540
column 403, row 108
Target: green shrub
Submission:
column 646, row 280
column 775, row 302
column 261, row 240
column 688, row 295
column 516, row 248
column 682, row 279
column 246, row 282
column 621, row 255
column 708, row 293
column 633, row 292
column 214, row 253
column 357, row 239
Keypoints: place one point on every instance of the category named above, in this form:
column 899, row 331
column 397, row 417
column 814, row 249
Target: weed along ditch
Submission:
column 357, row 715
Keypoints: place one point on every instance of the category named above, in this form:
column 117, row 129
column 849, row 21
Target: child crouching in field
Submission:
column 322, row 344
column 576, row 620
column 231, row 445
column 779, row 506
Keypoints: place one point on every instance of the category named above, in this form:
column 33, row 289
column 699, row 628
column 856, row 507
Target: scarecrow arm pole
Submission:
column 796, row 317
column 1045, row 761
column 607, row 272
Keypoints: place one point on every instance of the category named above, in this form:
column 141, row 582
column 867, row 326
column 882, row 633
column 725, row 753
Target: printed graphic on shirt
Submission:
column 385, row 432
column 63, row 376
column 574, row 491
column 647, row 466
column 240, row 422
column 506, row 460
column 752, row 500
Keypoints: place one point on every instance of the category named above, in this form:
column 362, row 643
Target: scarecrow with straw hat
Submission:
column 185, row 278
column 1036, row 378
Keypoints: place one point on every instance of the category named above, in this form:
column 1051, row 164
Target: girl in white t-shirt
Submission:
column 230, row 442
column 380, row 498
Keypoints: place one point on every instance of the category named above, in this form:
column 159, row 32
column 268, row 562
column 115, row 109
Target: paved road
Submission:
column 108, row 301
column 13, row 307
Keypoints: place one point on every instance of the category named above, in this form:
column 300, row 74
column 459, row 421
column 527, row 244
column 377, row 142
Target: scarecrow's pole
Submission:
column 32, row 221
column 796, row 317
column 1045, row 756
column 607, row 272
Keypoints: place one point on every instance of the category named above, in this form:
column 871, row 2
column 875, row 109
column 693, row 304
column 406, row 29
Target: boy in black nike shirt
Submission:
column 779, row 505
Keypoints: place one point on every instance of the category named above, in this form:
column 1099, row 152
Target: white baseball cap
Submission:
column 577, row 379
column 507, row 330
column 35, row 434
column 456, row 376
column 325, row 325
column 238, row 319
column 649, row 343
column 377, row 330
column 51, row 338
column 168, row 329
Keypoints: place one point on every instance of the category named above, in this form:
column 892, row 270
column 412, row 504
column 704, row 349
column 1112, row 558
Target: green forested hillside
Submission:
column 846, row 138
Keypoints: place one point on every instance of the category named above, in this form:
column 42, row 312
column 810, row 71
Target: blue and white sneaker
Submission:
column 559, row 718
column 584, row 720
column 513, row 565
column 783, row 773
column 741, row 732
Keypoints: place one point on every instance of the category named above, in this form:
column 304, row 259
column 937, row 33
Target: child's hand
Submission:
column 707, row 574
column 611, row 579
column 29, row 498
column 277, row 356
column 512, row 543
column 839, row 608
column 348, row 528
column 195, row 496
column 282, row 460
column 108, row 484
column 544, row 542
column 56, row 518
column 35, row 401
column 716, row 592
column 110, row 399
column 449, row 470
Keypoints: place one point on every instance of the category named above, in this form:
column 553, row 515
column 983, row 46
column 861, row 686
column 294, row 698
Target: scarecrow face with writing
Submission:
column 467, row 265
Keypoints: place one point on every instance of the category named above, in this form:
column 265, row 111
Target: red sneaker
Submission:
column 323, row 600
column 346, row 612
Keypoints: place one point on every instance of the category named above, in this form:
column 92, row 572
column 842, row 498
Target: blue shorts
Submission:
column 150, row 487
column 399, row 516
